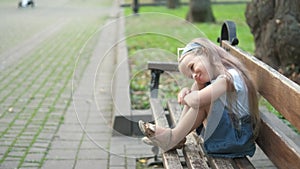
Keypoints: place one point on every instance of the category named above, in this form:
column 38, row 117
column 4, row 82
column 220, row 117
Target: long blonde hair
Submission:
column 223, row 61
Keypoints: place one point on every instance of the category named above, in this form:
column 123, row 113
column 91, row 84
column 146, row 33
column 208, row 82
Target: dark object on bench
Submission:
column 29, row 3
column 278, row 141
column 228, row 33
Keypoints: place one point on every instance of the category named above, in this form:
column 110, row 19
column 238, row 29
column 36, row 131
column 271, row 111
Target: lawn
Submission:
column 210, row 30
column 157, row 32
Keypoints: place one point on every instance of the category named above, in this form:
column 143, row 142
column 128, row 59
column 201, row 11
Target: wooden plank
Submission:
column 175, row 111
column 192, row 156
column 158, row 112
column 275, row 143
column 191, row 149
column 216, row 163
column 261, row 160
column 281, row 92
column 221, row 163
column 165, row 66
column 243, row 163
column 170, row 158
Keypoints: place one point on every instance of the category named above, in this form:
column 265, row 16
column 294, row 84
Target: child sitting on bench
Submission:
column 222, row 98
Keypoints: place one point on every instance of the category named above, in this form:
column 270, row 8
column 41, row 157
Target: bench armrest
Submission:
column 158, row 68
column 164, row 66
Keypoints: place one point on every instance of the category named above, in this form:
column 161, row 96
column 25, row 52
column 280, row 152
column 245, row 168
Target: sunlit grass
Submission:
column 157, row 32
column 233, row 12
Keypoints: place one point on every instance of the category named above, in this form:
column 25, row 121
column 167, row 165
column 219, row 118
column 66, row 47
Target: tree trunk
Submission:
column 276, row 29
column 172, row 4
column 200, row 11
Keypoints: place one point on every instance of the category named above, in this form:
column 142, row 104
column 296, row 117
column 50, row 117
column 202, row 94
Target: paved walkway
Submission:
column 57, row 63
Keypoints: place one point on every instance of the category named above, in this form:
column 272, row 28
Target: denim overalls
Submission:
column 229, row 135
column 228, row 141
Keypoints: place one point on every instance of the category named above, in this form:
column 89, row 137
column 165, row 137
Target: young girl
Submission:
column 222, row 98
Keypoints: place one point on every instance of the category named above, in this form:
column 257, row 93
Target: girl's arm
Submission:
column 185, row 91
column 207, row 95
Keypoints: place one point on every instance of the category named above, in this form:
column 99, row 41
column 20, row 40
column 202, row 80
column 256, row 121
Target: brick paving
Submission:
column 48, row 58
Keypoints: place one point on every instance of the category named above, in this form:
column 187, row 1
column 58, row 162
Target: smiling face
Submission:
column 196, row 67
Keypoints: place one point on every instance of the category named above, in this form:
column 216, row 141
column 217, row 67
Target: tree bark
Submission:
column 172, row 4
column 200, row 11
column 275, row 25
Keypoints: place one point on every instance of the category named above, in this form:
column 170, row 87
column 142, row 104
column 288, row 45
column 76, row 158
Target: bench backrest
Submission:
column 275, row 139
column 279, row 142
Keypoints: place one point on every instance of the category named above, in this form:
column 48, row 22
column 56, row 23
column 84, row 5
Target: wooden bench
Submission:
column 278, row 141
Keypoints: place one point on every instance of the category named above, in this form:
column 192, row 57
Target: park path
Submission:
column 50, row 58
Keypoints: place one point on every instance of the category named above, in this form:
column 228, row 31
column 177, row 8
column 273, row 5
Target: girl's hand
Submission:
column 183, row 92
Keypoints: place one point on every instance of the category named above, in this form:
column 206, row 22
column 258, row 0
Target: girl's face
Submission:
column 197, row 68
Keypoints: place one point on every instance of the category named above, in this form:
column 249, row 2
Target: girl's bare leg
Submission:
column 184, row 111
column 191, row 119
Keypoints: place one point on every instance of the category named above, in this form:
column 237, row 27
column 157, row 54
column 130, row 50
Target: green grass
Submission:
column 157, row 32
column 211, row 30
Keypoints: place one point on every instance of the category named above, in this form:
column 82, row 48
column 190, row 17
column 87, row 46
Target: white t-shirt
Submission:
column 240, row 106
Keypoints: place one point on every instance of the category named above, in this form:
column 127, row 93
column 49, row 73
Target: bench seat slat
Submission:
column 192, row 156
column 243, row 163
column 191, row 149
column 170, row 158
